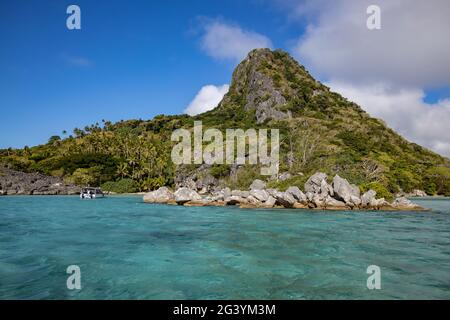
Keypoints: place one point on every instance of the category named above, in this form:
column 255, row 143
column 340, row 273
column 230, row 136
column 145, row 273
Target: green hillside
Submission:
column 319, row 131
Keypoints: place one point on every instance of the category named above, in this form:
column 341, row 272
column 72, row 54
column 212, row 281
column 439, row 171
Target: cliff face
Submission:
column 255, row 89
column 19, row 183
column 275, row 86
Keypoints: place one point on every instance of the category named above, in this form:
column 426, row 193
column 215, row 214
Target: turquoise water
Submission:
column 130, row 250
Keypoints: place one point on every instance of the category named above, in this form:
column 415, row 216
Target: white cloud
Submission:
column 78, row 61
column 385, row 71
column 412, row 48
column 206, row 99
column 404, row 111
column 226, row 41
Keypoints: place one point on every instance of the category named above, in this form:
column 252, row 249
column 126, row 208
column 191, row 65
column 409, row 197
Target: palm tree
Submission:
column 122, row 170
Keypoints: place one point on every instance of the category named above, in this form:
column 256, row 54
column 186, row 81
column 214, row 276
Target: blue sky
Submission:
column 137, row 59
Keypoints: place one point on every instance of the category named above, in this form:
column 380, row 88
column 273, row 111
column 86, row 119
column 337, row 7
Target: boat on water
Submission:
column 91, row 193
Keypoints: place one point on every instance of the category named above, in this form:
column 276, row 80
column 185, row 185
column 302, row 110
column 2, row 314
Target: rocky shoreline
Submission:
column 319, row 194
column 20, row 183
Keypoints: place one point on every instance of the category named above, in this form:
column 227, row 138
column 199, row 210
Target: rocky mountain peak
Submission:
column 272, row 84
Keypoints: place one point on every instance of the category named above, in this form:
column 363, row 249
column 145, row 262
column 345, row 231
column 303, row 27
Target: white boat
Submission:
column 91, row 193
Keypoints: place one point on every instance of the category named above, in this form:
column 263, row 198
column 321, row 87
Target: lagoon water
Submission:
column 130, row 250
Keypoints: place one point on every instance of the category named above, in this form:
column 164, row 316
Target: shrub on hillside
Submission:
column 382, row 191
column 120, row 186
column 438, row 179
column 84, row 177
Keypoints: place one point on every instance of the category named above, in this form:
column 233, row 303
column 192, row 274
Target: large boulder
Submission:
column 377, row 204
column 218, row 196
column 239, row 193
column 314, row 183
column 405, row 204
column 297, row 194
column 258, row 185
column 252, row 202
column 184, row 195
column 368, row 197
column 221, row 194
column 299, row 205
column 326, row 189
column 344, row 191
column 354, row 201
column 252, row 199
column 285, row 199
column 318, row 201
column 333, row 204
column 309, row 196
column 270, row 202
column 261, row 195
column 226, row 192
column 233, row 200
column 272, row 192
column 162, row 195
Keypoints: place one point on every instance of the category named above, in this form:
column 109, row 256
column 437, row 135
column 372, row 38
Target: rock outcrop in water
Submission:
column 340, row 195
column 414, row 193
column 20, row 183
column 320, row 130
column 162, row 195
